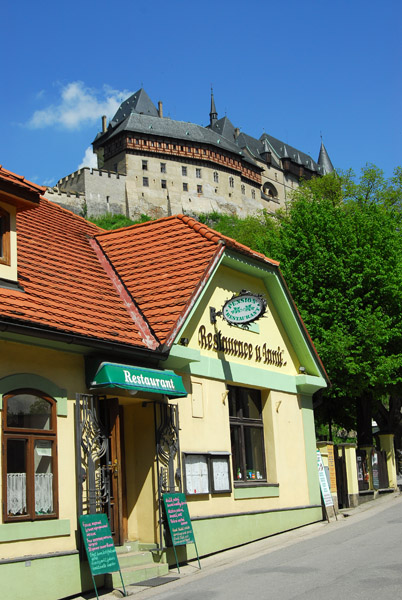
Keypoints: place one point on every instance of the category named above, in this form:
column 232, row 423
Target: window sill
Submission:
column 30, row 530
column 256, row 490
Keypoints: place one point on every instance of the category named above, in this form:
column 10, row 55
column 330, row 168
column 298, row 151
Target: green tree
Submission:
column 340, row 248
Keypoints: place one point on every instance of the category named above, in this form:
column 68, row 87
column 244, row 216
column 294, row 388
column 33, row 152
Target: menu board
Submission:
column 178, row 519
column 99, row 544
column 325, row 491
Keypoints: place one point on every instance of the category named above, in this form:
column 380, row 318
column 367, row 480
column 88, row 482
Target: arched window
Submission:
column 29, row 456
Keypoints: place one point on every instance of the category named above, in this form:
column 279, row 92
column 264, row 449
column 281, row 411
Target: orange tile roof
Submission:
column 161, row 263
column 20, row 181
column 65, row 287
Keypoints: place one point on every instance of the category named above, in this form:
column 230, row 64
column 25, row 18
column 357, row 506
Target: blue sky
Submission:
column 293, row 69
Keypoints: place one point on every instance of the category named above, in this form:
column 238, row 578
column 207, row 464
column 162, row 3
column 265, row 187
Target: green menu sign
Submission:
column 178, row 518
column 99, row 544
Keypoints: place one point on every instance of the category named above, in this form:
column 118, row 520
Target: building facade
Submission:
column 123, row 378
column 153, row 165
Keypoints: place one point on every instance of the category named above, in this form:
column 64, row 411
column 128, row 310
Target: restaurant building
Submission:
column 156, row 358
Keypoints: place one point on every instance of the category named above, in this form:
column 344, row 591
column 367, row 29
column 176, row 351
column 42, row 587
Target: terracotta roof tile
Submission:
column 65, row 286
column 20, row 181
column 161, row 263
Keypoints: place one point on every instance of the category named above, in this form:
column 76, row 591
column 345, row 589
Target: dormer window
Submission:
column 4, row 237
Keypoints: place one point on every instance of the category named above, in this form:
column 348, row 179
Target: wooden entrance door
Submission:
column 112, row 417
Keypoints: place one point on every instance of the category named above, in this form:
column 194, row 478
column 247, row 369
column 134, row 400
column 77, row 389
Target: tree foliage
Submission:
column 340, row 248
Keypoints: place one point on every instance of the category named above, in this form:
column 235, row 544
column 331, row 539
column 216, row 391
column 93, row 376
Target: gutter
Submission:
column 71, row 339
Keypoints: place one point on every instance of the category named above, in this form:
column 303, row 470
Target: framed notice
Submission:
column 196, row 474
column 207, row 473
column 220, row 474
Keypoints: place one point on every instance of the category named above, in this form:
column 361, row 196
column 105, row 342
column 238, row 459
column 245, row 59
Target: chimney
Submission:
column 104, row 124
column 160, row 109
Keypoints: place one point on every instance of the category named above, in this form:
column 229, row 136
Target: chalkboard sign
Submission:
column 99, row 544
column 178, row 518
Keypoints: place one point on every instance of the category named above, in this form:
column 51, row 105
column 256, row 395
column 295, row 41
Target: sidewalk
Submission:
column 221, row 560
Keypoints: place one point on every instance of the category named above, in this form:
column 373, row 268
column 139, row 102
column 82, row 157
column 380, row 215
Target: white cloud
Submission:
column 89, row 159
column 78, row 106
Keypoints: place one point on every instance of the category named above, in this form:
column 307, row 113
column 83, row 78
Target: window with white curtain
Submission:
column 29, row 456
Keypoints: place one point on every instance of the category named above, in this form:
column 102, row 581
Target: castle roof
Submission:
column 324, row 161
column 138, row 114
column 139, row 103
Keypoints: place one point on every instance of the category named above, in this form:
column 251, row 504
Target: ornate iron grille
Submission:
column 92, row 457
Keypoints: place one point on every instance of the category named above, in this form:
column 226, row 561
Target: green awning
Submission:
column 138, row 379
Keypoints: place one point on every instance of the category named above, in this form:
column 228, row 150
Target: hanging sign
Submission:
column 244, row 308
column 325, row 491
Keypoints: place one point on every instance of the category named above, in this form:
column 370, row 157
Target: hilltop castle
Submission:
column 154, row 165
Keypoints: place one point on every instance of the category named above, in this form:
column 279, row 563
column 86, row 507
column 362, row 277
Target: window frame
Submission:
column 199, row 189
column 198, row 173
column 163, row 167
column 242, row 423
column 5, row 246
column 145, row 182
column 184, row 171
column 30, row 435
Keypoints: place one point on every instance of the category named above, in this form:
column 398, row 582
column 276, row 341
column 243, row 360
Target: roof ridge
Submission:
column 21, row 178
column 217, row 237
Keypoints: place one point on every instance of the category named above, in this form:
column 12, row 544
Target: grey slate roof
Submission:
column 139, row 102
column 139, row 115
column 324, row 160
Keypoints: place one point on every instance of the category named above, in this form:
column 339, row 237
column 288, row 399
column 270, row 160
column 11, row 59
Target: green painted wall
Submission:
column 213, row 535
column 46, row 578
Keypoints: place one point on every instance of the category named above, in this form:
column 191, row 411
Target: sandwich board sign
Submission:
column 179, row 522
column 325, row 491
column 99, row 546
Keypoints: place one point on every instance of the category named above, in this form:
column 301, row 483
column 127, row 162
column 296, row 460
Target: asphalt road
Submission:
column 357, row 557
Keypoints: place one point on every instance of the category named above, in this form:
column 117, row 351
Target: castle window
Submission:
column 231, row 182
column 145, row 165
column 199, row 189
column 185, row 187
column 4, row 237
column 198, row 173
column 145, row 181
column 216, row 177
column 243, row 189
column 29, row 456
column 163, row 167
column 184, row 171
column 253, row 194
column 163, row 184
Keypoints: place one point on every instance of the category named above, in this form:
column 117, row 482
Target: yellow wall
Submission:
column 267, row 330
column 66, row 371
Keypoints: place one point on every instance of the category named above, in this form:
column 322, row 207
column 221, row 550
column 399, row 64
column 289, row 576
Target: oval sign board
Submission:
column 244, row 308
